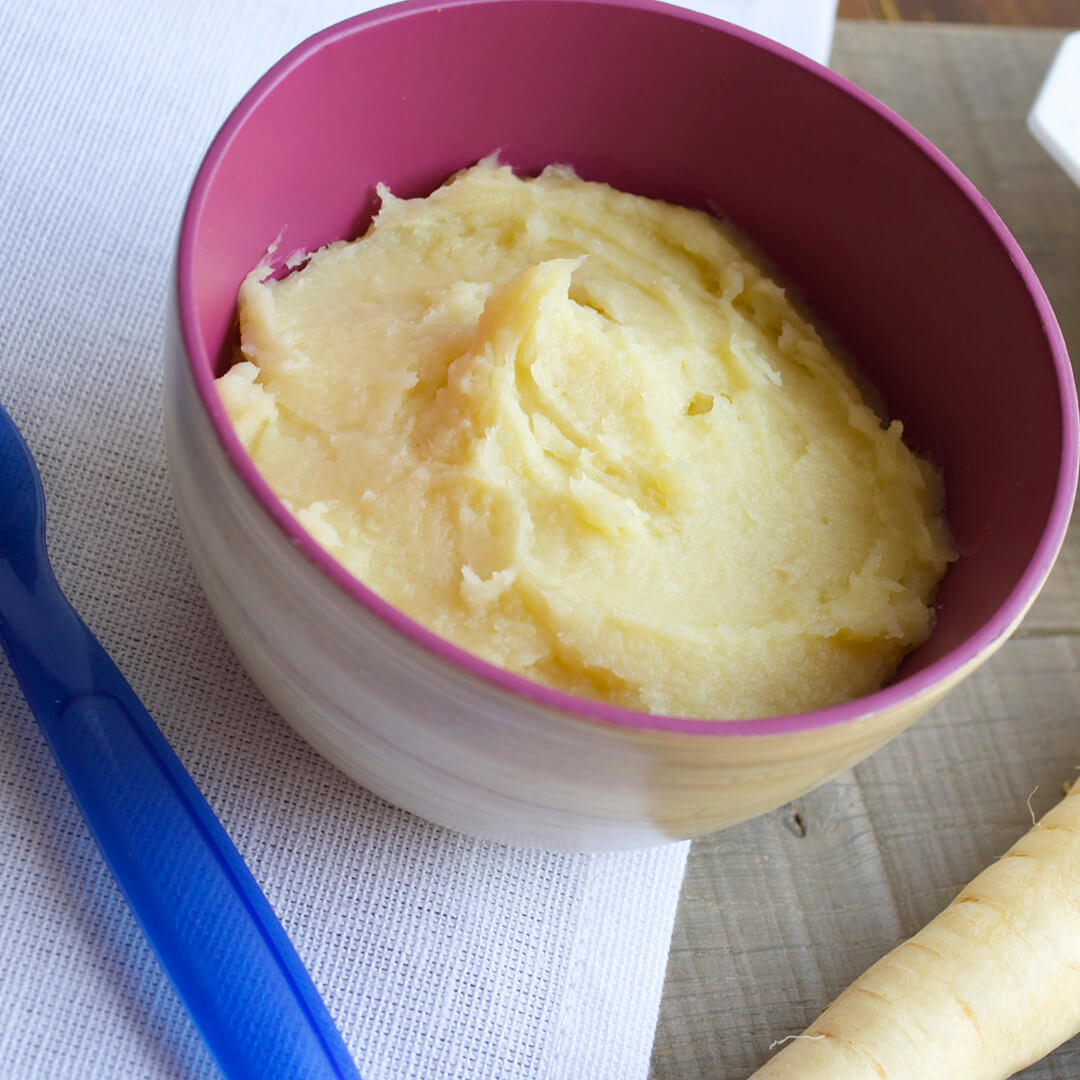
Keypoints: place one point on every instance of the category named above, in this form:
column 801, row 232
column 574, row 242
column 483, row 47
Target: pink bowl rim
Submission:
column 890, row 697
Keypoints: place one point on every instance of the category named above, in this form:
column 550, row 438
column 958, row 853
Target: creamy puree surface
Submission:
column 582, row 435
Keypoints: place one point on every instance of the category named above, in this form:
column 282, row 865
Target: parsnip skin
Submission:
column 985, row 989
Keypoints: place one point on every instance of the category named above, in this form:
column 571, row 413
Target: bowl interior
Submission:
column 890, row 247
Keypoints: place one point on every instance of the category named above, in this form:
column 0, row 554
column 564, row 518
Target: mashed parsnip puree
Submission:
column 582, row 435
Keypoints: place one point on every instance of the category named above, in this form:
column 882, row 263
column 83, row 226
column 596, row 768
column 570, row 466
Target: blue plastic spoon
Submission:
column 212, row 929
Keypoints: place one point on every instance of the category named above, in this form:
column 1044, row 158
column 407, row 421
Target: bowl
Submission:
column 889, row 244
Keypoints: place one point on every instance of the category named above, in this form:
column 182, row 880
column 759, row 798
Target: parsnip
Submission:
column 985, row 989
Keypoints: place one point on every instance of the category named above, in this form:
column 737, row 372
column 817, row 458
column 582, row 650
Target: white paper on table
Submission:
column 1055, row 117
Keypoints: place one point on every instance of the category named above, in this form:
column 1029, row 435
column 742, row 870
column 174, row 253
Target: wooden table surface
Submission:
column 779, row 914
column 998, row 12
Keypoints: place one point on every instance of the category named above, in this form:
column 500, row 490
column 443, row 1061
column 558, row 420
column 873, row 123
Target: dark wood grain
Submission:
column 779, row 914
column 1063, row 13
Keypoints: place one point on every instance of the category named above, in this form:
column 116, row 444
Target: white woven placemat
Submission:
column 439, row 956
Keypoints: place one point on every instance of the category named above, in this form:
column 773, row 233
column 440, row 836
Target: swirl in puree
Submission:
column 584, row 436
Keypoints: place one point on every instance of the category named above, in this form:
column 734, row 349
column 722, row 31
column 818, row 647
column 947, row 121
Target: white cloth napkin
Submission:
column 805, row 25
column 439, row 956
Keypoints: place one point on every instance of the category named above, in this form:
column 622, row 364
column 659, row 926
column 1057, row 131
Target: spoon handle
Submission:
column 213, row 931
